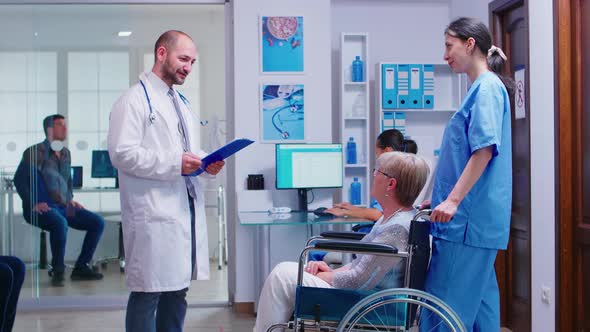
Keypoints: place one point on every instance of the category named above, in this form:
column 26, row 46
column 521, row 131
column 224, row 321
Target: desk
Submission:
column 262, row 242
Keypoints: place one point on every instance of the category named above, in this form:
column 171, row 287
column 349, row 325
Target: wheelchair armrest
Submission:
column 343, row 235
column 356, row 247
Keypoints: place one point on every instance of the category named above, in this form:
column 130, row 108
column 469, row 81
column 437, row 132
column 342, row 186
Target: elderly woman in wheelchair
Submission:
column 397, row 180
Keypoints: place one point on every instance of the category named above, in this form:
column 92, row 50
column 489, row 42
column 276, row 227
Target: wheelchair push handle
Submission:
column 422, row 213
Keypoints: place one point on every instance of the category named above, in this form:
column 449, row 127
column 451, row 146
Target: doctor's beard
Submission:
column 174, row 75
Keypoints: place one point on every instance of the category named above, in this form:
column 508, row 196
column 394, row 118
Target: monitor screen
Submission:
column 308, row 166
column 77, row 176
column 101, row 165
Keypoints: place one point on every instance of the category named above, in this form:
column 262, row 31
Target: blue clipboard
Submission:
column 222, row 153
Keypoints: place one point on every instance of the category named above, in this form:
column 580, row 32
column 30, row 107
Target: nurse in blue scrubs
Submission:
column 472, row 194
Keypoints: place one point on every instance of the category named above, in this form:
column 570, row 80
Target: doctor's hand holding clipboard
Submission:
column 212, row 163
column 191, row 163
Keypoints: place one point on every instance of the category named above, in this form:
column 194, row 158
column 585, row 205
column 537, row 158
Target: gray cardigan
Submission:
column 372, row 272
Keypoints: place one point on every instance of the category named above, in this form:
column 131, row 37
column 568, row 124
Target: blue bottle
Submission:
column 355, row 192
column 351, row 151
column 357, row 70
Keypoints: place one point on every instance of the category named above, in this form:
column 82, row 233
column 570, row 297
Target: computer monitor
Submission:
column 101, row 165
column 308, row 166
column 77, row 176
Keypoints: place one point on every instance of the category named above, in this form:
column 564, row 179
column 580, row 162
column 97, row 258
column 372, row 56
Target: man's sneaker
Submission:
column 57, row 278
column 85, row 273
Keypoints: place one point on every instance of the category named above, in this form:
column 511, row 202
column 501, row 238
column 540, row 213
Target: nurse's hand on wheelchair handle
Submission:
column 444, row 212
column 190, row 163
column 314, row 267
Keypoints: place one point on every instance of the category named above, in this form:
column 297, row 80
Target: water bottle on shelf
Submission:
column 357, row 70
column 355, row 192
column 351, row 151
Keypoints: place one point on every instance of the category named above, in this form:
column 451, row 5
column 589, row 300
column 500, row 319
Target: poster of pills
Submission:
column 281, row 44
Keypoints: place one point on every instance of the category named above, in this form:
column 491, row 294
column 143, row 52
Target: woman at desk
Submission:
column 388, row 141
column 397, row 180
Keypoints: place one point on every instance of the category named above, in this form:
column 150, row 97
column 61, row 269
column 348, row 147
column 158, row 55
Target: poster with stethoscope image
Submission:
column 282, row 113
column 281, row 44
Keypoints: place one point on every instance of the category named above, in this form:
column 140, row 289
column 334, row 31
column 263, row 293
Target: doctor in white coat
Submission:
column 152, row 142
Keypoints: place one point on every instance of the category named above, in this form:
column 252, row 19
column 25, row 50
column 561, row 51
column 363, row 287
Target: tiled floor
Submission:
column 214, row 289
column 197, row 320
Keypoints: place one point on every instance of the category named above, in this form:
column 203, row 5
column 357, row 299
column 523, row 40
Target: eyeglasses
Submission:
column 376, row 170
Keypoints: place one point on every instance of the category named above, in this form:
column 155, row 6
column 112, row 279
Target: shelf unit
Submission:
column 355, row 114
column 424, row 125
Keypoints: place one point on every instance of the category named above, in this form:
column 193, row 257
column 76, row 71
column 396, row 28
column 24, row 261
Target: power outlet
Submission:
column 546, row 294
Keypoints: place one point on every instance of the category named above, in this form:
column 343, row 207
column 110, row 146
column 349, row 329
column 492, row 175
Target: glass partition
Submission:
column 76, row 60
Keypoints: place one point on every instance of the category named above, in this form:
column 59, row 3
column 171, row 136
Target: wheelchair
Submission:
column 394, row 309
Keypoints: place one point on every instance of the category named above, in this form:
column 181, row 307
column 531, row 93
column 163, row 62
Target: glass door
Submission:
column 75, row 60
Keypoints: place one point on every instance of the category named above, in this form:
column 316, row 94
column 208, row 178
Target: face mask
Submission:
column 56, row 145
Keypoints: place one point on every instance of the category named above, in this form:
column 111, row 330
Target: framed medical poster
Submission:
column 281, row 44
column 282, row 113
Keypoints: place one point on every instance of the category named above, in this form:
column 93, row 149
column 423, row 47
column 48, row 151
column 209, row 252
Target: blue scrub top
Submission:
column 483, row 217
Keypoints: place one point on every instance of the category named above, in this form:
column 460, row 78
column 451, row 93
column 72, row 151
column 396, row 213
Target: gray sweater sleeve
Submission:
column 366, row 271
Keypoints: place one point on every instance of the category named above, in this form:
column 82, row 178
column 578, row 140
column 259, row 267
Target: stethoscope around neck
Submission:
column 152, row 116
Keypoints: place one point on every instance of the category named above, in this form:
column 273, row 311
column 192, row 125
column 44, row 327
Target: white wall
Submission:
column 542, row 163
column 259, row 158
column 470, row 8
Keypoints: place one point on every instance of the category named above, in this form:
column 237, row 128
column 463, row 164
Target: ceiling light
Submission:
column 124, row 33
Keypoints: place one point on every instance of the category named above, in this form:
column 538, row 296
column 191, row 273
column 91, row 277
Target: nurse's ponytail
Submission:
column 465, row 28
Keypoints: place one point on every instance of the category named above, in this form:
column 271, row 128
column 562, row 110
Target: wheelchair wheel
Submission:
column 401, row 309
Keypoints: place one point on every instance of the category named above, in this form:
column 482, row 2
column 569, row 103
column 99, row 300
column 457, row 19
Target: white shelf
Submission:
column 355, row 83
column 355, row 114
column 355, row 165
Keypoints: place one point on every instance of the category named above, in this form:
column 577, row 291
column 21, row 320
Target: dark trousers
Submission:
column 160, row 311
column 156, row 312
column 12, row 275
column 56, row 223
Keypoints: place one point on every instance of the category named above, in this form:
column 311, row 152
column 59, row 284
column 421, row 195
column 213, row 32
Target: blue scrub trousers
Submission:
column 12, row 275
column 160, row 311
column 464, row 278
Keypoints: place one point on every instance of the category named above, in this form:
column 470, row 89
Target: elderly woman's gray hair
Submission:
column 410, row 172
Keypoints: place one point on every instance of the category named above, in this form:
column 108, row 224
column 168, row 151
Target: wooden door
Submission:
column 573, row 147
column 509, row 25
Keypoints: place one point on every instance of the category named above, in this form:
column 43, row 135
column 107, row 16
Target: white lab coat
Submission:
column 154, row 205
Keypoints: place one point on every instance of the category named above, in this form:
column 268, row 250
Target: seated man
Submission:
column 50, row 161
column 397, row 181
